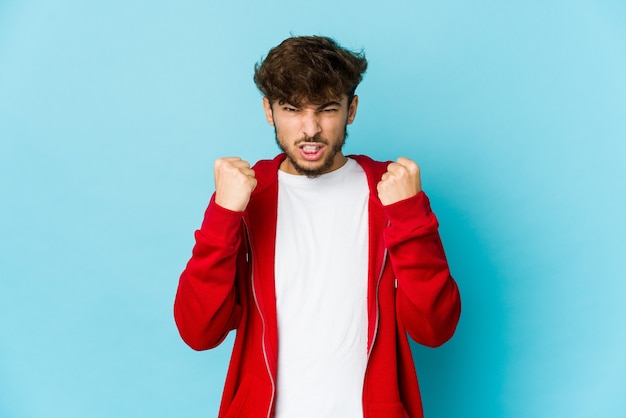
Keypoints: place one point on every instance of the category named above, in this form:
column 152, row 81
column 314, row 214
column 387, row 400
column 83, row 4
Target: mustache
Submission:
column 313, row 139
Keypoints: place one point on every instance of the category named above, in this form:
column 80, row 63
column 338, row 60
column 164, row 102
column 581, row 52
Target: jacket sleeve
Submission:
column 206, row 307
column 427, row 298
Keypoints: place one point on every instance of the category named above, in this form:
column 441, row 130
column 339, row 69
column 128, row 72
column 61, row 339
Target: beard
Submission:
column 328, row 161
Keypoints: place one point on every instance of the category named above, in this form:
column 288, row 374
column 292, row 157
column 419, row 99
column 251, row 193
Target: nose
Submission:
column 310, row 123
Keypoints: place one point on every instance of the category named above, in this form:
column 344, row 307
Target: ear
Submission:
column 352, row 109
column 267, row 107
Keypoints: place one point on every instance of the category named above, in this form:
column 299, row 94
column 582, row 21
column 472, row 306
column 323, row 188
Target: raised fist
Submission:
column 234, row 183
column 401, row 181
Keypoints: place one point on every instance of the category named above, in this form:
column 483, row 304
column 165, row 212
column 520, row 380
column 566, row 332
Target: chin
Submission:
column 312, row 169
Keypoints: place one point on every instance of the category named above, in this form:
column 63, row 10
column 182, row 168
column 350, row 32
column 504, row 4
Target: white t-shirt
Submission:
column 321, row 293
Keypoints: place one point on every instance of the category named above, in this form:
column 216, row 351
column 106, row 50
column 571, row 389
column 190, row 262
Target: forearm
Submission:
column 206, row 308
column 428, row 299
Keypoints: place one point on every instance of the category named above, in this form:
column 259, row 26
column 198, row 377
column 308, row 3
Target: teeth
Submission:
column 310, row 148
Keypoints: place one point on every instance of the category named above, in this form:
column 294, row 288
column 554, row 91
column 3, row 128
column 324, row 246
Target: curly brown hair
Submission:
column 313, row 69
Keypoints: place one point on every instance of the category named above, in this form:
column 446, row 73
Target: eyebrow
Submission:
column 320, row 107
column 325, row 105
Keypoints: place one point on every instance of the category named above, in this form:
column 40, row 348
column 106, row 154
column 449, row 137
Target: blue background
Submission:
column 111, row 114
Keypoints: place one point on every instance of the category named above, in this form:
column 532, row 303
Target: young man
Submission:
column 322, row 262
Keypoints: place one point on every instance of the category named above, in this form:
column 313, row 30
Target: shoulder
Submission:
column 269, row 165
column 266, row 172
column 374, row 169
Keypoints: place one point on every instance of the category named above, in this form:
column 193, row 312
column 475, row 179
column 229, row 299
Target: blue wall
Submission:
column 111, row 114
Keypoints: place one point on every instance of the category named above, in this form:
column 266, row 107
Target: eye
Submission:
column 330, row 110
column 290, row 109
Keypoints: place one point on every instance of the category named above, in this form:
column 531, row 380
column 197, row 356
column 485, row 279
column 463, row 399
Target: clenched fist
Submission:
column 401, row 181
column 234, row 183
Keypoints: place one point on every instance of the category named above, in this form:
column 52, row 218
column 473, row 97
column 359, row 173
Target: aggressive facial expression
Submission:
column 312, row 135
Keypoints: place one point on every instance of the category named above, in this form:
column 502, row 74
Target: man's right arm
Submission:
column 206, row 306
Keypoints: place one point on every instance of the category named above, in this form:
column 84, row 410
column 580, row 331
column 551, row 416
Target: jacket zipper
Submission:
column 380, row 276
column 371, row 347
column 256, row 303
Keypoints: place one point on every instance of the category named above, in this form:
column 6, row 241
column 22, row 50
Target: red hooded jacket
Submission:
column 229, row 284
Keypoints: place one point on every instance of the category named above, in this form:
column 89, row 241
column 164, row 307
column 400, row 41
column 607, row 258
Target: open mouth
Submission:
column 311, row 151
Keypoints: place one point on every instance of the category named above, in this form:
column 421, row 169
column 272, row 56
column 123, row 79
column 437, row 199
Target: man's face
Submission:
column 312, row 135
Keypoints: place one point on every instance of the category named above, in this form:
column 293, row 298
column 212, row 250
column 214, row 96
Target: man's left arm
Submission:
column 428, row 300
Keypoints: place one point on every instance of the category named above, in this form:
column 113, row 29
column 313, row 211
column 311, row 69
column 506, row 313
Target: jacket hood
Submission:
column 266, row 172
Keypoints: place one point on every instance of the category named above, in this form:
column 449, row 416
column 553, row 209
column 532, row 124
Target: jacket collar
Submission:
column 266, row 172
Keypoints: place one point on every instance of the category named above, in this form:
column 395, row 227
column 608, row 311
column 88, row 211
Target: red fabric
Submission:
column 229, row 284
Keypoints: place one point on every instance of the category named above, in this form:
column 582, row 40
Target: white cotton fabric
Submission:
column 321, row 293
